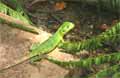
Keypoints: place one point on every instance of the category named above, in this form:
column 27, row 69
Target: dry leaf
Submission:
column 60, row 5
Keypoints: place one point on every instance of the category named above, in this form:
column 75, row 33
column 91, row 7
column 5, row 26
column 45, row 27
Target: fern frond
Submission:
column 19, row 8
column 74, row 47
column 14, row 4
column 18, row 5
column 87, row 62
column 6, row 10
column 111, row 5
column 116, row 75
column 108, row 72
column 93, row 43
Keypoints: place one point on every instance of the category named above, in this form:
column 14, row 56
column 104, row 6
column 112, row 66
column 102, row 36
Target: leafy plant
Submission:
column 87, row 62
column 116, row 75
column 108, row 72
column 110, row 35
column 17, row 18
column 18, row 13
column 91, row 44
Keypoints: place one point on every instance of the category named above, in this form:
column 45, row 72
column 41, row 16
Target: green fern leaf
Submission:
column 6, row 10
column 108, row 72
column 93, row 43
column 116, row 75
column 87, row 62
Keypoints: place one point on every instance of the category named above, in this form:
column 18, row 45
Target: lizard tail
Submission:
column 16, row 62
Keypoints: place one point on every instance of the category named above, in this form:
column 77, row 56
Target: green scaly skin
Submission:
column 51, row 43
column 47, row 46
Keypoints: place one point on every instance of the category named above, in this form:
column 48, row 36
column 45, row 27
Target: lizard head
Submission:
column 65, row 27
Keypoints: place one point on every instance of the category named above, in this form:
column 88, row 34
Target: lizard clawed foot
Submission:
column 34, row 60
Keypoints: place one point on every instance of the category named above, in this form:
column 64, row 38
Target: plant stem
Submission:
column 15, row 23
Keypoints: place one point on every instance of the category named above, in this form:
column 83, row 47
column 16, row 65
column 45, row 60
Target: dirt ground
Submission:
column 14, row 44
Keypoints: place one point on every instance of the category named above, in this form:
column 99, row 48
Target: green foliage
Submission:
column 18, row 5
column 108, row 72
column 18, row 13
column 111, row 35
column 87, row 62
column 19, row 26
column 113, row 5
column 19, row 8
column 116, row 75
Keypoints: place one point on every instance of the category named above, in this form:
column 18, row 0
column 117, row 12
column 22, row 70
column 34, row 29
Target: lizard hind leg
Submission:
column 35, row 59
column 35, row 62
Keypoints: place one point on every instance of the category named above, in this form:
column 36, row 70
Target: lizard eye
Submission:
column 65, row 28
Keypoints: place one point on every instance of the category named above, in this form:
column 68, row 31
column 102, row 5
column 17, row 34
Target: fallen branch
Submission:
column 15, row 23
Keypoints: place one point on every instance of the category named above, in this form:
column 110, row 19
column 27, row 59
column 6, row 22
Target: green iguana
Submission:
column 45, row 47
